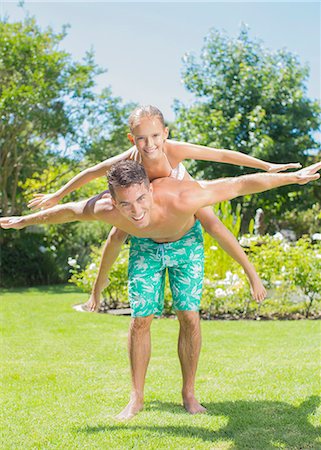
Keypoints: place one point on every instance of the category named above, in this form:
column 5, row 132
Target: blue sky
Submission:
column 142, row 44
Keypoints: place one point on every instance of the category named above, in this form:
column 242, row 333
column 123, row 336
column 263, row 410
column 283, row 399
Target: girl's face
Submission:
column 149, row 136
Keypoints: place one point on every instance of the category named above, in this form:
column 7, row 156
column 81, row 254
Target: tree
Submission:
column 46, row 99
column 252, row 100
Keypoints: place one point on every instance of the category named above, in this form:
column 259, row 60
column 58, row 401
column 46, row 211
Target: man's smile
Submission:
column 139, row 218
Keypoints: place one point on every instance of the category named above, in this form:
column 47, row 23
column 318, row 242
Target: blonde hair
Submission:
column 144, row 111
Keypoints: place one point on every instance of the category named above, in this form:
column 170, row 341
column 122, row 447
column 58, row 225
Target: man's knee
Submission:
column 141, row 325
column 189, row 320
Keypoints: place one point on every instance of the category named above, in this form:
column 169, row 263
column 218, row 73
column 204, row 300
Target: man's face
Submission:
column 149, row 137
column 134, row 203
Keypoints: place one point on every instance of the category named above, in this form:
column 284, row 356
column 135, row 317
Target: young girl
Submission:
column 162, row 157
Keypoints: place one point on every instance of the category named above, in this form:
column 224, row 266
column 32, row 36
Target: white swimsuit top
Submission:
column 177, row 173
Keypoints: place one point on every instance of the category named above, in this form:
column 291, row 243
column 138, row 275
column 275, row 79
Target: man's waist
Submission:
column 172, row 239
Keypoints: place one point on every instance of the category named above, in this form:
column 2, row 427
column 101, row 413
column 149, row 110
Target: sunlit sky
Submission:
column 142, row 44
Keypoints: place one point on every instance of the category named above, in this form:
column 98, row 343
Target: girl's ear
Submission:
column 166, row 133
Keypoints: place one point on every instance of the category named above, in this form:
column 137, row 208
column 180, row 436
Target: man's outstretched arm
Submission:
column 68, row 212
column 228, row 188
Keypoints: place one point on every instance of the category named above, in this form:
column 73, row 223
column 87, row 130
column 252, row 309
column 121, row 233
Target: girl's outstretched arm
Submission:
column 45, row 201
column 181, row 150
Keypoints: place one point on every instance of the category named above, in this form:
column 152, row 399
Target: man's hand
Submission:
column 275, row 168
column 16, row 222
column 43, row 201
column 307, row 174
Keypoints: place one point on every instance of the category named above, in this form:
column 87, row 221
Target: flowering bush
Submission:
column 290, row 272
column 226, row 297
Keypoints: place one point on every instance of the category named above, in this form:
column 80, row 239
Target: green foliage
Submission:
column 27, row 260
column 292, row 271
column 60, row 241
column 41, row 90
column 252, row 100
column 301, row 222
column 217, row 261
column 47, row 101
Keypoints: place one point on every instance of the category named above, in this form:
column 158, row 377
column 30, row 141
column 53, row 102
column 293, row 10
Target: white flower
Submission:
column 92, row 266
column 316, row 237
column 229, row 276
column 53, row 248
column 318, row 255
column 244, row 242
column 277, row 283
column 220, row 293
column 72, row 262
column 278, row 236
column 42, row 249
column 235, row 278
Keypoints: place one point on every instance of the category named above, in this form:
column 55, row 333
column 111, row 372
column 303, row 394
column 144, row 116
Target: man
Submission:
column 162, row 213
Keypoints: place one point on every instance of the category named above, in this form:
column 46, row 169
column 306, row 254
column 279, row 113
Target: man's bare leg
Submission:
column 189, row 346
column 139, row 348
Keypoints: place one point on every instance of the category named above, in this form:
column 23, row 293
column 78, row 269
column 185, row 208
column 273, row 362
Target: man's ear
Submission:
column 131, row 138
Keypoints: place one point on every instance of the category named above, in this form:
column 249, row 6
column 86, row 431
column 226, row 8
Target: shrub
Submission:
column 302, row 222
column 291, row 271
column 27, row 260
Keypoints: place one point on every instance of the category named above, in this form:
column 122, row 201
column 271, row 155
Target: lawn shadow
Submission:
column 48, row 289
column 263, row 424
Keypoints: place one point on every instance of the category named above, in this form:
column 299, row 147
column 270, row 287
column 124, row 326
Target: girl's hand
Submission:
column 275, row 168
column 43, row 201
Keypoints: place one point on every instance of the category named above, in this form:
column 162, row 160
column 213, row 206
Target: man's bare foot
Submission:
column 133, row 408
column 192, row 406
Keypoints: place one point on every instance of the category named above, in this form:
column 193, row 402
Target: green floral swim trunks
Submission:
column 148, row 261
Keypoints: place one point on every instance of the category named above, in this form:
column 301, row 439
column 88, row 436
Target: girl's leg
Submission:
column 111, row 250
column 230, row 244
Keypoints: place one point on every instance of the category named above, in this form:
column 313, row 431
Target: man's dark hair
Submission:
column 125, row 174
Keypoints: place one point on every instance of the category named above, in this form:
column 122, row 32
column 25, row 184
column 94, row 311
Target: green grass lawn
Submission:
column 65, row 375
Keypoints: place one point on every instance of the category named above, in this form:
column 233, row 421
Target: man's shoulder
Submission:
column 169, row 184
column 176, row 194
column 100, row 206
